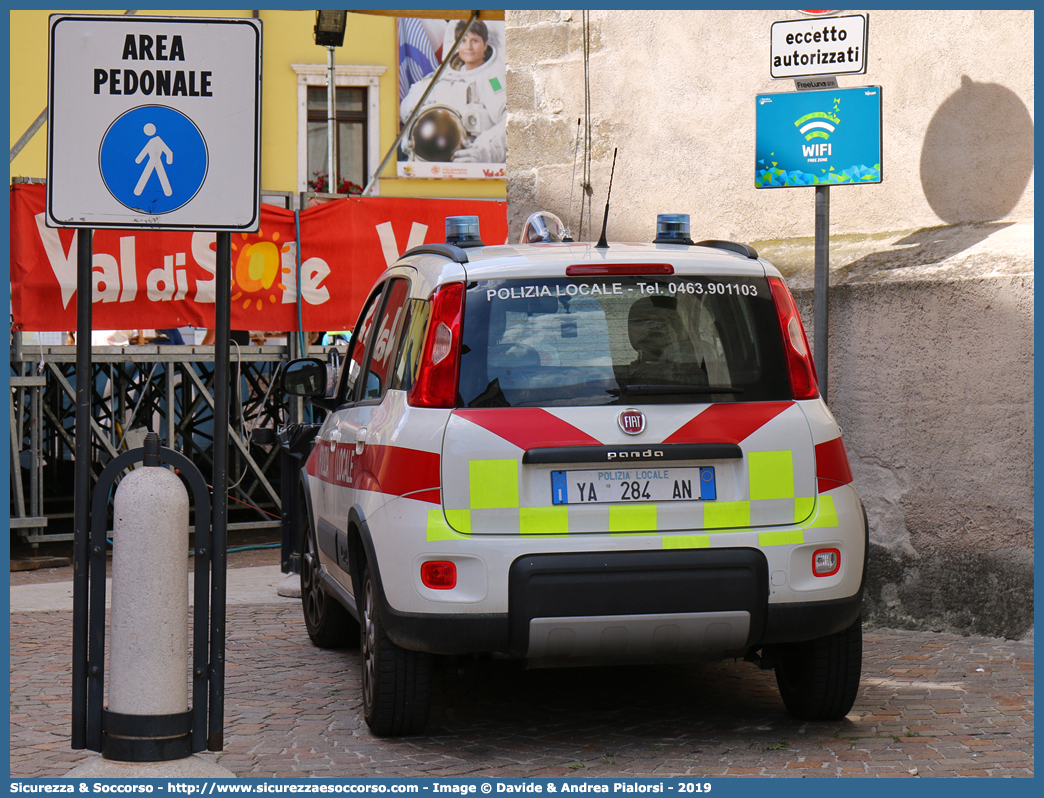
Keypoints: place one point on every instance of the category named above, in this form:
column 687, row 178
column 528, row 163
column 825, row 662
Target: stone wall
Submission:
column 931, row 320
column 674, row 92
column 932, row 383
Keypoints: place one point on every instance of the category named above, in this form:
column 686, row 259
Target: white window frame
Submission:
column 368, row 77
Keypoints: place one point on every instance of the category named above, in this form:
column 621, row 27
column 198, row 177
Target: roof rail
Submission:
column 740, row 249
column 446, row 250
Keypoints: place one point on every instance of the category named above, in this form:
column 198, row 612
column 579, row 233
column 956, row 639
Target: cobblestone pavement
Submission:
column 930, row 705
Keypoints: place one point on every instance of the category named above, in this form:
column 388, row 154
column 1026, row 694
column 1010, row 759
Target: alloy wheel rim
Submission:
column 368, row 645
column 312, row 592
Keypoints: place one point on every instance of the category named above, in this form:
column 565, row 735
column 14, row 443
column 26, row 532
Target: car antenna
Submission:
column 569, row 217
column 602, row 243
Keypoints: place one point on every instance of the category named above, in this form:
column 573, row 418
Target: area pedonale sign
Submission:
column 821, row 46
column 154, row 122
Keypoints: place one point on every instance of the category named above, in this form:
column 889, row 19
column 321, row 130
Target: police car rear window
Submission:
column 620, row 340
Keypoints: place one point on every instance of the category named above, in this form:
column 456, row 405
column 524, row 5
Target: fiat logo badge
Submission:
column 632, row 421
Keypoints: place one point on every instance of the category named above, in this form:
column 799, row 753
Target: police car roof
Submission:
column 552, row 259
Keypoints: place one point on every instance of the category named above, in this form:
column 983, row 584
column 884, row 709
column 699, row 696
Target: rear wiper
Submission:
column 665, row 390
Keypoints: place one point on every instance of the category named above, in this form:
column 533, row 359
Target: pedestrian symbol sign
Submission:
column 154, row 122
column 153, row 159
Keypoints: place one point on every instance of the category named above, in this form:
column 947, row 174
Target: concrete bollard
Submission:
column 148, row 664
column 148, row 672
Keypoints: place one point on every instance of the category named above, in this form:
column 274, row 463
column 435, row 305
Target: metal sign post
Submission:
column 821, row 291
column 219, row 509
column 81, row 486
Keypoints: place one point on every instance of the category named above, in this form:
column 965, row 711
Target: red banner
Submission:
column 161, row 279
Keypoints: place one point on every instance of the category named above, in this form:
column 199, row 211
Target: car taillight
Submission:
column 436, row 382
column 439, row 575
column 804, row 383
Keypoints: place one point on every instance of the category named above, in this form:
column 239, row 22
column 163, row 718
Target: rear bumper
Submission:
column 657, row 605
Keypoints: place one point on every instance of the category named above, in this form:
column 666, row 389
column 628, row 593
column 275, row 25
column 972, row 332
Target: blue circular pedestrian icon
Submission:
column 153, row 159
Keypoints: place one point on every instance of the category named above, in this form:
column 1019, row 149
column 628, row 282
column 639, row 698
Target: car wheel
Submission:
column 329, row 624
column 396, row 682
column 818, row 679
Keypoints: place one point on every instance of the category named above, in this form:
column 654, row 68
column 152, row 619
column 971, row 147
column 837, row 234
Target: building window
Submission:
column 350, row 143
column 357, row 114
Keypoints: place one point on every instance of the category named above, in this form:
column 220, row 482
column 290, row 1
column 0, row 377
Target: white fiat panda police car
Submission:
column 577, row 454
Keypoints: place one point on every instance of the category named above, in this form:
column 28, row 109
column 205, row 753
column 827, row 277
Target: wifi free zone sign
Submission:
column 814, row 138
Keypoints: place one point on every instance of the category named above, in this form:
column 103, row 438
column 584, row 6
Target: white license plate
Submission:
column 639, row 484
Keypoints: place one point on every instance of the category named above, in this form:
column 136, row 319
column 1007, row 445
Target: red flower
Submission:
column 319, row 183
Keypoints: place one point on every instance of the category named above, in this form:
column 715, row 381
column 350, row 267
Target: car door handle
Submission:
column 360, row 440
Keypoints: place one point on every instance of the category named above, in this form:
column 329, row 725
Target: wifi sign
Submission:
column 817, row 125
column 802, row 139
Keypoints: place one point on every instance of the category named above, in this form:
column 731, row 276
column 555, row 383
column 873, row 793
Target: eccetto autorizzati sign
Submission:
column 822, row 46
column 166, row 278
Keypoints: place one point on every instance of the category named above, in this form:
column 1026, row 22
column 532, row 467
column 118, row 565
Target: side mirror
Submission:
column 305, row 377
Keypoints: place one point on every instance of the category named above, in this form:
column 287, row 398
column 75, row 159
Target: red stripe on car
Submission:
column 727, row 423
column 385, row 469
column 832, row 468
column 528, row 427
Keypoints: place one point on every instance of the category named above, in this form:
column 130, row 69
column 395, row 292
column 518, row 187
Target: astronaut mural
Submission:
column 460, row 130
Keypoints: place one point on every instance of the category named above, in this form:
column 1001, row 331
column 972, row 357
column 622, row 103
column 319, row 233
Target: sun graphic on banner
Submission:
column 258, row 264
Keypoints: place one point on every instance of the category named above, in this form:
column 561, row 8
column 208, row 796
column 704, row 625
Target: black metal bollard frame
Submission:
column 143, row 738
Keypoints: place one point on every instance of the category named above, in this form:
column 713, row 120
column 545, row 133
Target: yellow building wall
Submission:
column 369, row 40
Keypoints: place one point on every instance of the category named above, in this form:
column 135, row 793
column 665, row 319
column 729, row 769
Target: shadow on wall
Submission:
column 922, row 247
column 977, row 157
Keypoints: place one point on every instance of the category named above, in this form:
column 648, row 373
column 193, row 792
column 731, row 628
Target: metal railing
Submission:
column 166, row 389
column 162, row 388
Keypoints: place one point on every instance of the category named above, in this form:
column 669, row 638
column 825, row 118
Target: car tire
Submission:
column 328, row 623
column 818, row 679
column 396, row 682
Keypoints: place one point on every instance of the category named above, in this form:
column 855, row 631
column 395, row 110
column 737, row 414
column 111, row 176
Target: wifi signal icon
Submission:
column 817, row 125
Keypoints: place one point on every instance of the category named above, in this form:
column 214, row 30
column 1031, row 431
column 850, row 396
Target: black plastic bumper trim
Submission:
column 632, row 453
column 446, row 634
column 793, row 623
column 468, row 634
column 636, row 583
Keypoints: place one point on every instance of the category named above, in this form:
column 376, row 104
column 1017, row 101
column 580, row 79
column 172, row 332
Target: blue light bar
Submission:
column 672, row 228
column 463, row 231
